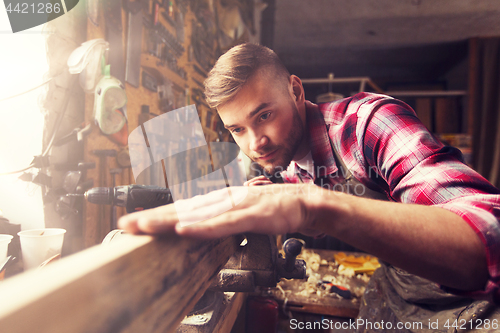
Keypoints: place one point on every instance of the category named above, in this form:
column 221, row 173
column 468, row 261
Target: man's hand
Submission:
column 274, row 209
column 260, row 180
column 424, row 240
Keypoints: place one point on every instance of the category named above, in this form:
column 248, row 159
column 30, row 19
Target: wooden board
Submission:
column 228, row 317
column 133, row 284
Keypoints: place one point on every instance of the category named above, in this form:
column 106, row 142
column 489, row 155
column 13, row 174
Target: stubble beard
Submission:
column 288, row 150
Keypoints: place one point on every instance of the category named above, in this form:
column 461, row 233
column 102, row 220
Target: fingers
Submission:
column 260, row 180
column 160, row 220
column 261, row 209
column 250, row 216
column 228, row 223
column 200, row 201
column 128, row 224
column 188, row 211
column 204, row 230
column 151, row 221
column 204, row 207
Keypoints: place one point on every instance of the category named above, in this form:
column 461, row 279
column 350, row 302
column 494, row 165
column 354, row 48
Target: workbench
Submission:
column 293, row 301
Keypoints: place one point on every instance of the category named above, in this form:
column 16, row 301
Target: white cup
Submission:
column 38, row 245
column 4, row 246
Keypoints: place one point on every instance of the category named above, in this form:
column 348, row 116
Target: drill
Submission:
column 132, row 197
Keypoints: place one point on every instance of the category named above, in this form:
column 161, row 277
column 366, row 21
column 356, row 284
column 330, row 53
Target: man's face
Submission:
column 265, row 122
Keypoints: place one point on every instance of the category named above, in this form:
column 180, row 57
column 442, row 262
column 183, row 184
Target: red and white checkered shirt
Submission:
column 385, row 146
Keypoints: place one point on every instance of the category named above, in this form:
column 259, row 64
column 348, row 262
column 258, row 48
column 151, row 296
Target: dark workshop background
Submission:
column 447, row 49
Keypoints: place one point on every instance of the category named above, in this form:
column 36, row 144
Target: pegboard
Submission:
column 179, row 41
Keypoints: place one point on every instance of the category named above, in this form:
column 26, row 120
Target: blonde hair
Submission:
column 236, row 67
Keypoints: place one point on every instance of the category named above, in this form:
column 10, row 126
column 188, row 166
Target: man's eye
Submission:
column 264, row 116
column 237, row 130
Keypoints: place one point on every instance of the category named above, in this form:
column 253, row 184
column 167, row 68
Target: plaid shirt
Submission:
column 385, row 146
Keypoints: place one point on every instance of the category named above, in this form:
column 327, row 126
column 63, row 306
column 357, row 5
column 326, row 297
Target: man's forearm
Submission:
column 427, row 241
column 424, row 240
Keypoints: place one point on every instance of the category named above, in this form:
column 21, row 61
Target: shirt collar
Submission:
column 319, row 142
column 306, row 163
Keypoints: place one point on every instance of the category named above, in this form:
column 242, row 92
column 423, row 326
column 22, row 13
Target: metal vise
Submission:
column 258, row 264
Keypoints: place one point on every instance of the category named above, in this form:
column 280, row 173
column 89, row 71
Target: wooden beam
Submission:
column 132, row 284
column 473, row 84
column 427, row 93
column 473, row 101
column 331, row 80
column 225, row 324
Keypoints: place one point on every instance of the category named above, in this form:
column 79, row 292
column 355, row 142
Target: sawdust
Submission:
column 338, row 274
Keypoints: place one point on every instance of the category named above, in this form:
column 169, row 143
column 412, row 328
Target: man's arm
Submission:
column 393, row 150
column 428, row 241
column 444, row 226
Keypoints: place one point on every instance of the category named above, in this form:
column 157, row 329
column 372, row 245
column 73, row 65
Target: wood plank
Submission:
column 133, row 284
column 336, row 310
column 225, row 324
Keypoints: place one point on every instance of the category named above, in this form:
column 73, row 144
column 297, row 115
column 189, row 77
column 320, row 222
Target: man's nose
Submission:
column 258, row 141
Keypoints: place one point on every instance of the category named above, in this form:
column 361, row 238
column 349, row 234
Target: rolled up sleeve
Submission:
column 417, row 168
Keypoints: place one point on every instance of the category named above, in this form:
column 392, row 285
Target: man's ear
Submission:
column 297, row 89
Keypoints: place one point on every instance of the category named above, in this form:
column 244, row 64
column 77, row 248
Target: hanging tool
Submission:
column 85, row 60
column 92, row 8
column 103, row 155
column 149, row 80
column 110, row 102
column 123, row 158
column 74, row 182
column 134, row 43
column 76, row 134
column 113, row 19
column 199, row 71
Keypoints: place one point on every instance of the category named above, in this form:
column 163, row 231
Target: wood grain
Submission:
column 133, row 284
column 225, row 324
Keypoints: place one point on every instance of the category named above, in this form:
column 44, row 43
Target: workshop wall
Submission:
column 161, row 51
column 63, row 109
